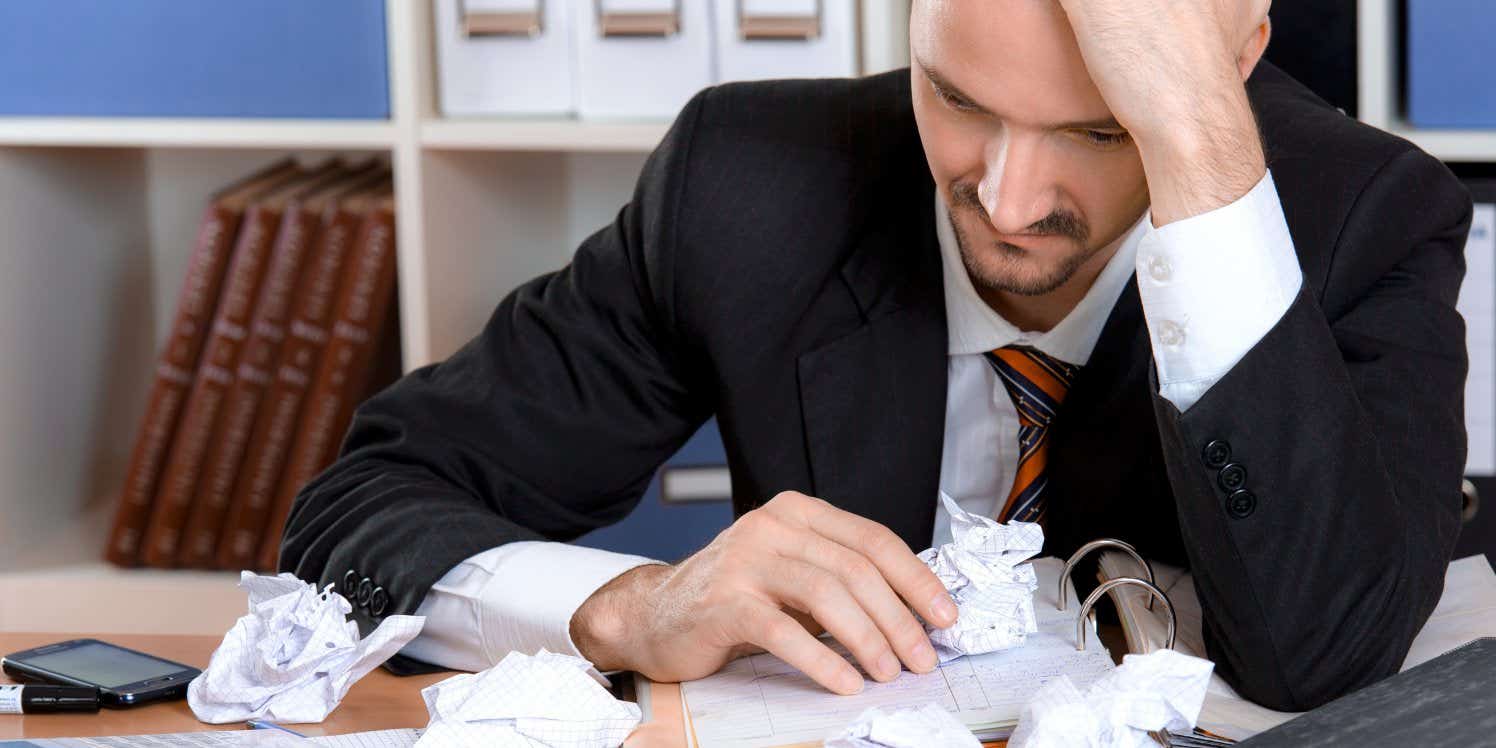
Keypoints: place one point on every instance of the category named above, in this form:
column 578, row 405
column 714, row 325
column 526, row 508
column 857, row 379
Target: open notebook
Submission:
column 1467, row 611
column 760, row 701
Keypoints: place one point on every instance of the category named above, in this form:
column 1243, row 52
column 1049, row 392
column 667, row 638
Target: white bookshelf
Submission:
column 97, row 218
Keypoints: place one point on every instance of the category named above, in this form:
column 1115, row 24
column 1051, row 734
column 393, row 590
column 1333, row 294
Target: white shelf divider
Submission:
column 112, row 132
column 566, row 135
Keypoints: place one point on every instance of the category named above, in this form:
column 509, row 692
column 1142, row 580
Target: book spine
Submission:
column 275, row 424
column 215, row 374
column 267, row 333
column 364, row 302
column 174, row 369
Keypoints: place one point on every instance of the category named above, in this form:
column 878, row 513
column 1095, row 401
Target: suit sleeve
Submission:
column 547, row 425
column 1317, row 482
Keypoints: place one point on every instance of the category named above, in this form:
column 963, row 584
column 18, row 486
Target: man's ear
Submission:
column 1253, row 49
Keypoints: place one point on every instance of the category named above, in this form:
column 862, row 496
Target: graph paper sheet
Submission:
column 761, row 701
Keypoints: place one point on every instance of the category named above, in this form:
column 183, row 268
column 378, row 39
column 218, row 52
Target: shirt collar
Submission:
column 974, row 327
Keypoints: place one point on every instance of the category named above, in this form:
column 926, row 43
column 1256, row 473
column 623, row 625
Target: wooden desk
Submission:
column 380, row 701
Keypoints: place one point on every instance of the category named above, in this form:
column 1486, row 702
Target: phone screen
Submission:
column 103, row 665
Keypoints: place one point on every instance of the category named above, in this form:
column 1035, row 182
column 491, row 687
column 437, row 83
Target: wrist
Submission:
column 1204, row 162
column 604, row 625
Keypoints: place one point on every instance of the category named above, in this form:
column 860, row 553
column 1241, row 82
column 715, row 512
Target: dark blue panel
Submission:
column 671, row 531
column 170, row 58
column 1451, row 78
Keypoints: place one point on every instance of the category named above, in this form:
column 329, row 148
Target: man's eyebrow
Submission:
column 1110, row 123
column 949, row 89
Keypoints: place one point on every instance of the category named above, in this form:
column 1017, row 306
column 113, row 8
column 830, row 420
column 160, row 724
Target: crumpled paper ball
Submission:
column 1162, row 690
column 547, row 700
column 293, row 658
column 983, row 568
column 920, row 727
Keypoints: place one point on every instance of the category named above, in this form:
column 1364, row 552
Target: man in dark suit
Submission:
column 1123, row 306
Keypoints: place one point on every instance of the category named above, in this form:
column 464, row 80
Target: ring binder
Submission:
column 779, row 27
column 1095, row 545
column 528, row 23
column 633, row 23
column 1085, row 608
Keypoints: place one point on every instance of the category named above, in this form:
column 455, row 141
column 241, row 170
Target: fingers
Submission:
column 892, row 617
column 781, row 636
column 908, row 576
column 821, row 594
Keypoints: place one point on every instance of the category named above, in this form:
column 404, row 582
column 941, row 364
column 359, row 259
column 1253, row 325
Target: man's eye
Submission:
column 1097, row 137
column 955, row 102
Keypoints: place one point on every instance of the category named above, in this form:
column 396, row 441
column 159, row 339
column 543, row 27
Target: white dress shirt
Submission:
column 1211, row 287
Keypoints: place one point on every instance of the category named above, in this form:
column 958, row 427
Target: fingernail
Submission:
column 889, row 666
column 944, row 609
column 924, row 657
column 851, row 682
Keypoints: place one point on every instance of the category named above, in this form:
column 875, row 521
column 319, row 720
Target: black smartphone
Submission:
column 123, row 676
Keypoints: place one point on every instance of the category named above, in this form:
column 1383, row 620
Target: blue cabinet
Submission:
column 687, row 504
column 1451, row 78
column 190, row 58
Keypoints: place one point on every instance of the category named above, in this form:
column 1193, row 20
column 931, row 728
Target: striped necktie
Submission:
column 1037, row 383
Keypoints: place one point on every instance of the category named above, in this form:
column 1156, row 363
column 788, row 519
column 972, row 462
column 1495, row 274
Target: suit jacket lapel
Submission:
column 874, row 400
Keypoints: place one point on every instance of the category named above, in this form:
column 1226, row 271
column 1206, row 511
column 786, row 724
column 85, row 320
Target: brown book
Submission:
column 280, row 409
column 215, row 371
column 294, row 243
column 178, row 358
column 366, row 300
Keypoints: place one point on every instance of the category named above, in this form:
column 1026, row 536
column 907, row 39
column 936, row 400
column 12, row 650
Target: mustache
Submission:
column 1058, row 223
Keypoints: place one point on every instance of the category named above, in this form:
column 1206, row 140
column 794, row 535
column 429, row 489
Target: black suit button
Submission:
column 349, row 588
column 1233, row 477
column 365, row 591
column 378, row 601
column 1216, row 454
column 1241, row 504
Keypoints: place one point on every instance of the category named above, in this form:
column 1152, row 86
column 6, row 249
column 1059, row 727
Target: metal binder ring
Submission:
column 1085, row 608
column 1086, row 549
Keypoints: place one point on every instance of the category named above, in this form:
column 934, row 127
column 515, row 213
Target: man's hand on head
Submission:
column 796, row 556
column 1172, row 72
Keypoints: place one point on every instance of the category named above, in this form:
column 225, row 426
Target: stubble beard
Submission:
column 1010, row 269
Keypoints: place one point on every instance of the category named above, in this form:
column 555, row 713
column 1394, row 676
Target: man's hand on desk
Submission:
column 794, row 555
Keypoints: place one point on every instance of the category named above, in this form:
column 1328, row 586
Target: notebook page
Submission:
column 761, row 701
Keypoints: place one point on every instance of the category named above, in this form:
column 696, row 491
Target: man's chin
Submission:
column 1013, row 271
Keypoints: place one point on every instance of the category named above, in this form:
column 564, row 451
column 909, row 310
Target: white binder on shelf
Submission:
column 505, row 57
column 760, row 39
column 641, row 59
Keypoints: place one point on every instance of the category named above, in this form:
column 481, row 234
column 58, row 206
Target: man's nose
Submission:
column 1017, row 190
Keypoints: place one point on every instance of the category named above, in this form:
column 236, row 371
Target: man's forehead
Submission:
column 1008, row 55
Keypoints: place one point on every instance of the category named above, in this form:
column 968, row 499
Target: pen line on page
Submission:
column 260, row 724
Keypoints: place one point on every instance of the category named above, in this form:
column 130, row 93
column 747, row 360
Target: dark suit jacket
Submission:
column 778, row 267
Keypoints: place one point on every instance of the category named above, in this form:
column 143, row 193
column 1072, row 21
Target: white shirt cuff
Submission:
column 518, row 597
column 1212, row 286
